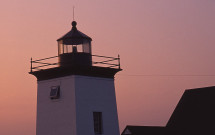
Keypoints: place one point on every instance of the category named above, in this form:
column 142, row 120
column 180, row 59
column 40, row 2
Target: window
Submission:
column 55, row 92
column 97, row 117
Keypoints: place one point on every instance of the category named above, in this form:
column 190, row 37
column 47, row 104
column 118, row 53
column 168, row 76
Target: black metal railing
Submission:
column 43, row 63
column 50, row 62
column 105, row 61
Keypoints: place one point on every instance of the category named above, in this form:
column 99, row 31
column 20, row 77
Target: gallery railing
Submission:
column 50, row 62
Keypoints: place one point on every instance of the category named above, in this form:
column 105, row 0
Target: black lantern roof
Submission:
column 74, row 37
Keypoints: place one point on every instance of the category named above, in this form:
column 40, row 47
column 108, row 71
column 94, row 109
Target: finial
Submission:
column 74, row 23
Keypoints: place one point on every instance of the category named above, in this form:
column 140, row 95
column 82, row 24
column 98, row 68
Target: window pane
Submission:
column 97, row 117
column 87, row 47
column 55, row 92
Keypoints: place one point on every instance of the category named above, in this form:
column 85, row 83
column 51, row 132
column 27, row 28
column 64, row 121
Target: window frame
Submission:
column 98, row 122
column 56, row 94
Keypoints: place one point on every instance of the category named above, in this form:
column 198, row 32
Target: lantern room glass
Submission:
column 65, row 47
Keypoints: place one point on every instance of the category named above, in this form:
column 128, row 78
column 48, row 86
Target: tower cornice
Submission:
column 57, row 72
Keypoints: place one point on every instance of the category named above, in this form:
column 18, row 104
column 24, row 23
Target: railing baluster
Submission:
column 31, row 65
column 119, row 60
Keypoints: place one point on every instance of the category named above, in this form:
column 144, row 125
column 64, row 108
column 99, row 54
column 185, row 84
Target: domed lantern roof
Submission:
column 74, row 37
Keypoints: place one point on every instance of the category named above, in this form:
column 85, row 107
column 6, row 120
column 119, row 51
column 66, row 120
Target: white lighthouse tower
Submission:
column 76, row 97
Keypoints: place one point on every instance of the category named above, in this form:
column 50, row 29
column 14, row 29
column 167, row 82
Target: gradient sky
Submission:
column 166, row 46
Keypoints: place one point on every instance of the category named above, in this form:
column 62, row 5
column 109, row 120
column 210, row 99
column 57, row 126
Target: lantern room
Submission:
column 74, row 48
column 75, row 55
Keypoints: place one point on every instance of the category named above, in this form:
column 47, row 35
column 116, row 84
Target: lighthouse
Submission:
column 75, row 94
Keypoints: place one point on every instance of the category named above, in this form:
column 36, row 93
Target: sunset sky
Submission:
column 166, row 46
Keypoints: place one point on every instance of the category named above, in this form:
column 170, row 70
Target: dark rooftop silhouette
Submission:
column 144, row 130
column 194, row 115
column 195, row 111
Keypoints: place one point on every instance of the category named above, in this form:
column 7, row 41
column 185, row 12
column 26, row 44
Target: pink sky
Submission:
column 161, row 44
